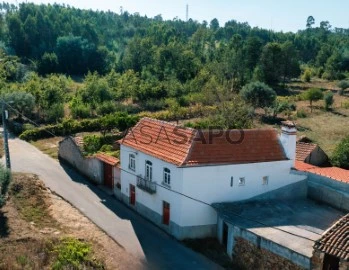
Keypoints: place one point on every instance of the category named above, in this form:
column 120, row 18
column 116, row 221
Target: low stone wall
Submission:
column 248, row 256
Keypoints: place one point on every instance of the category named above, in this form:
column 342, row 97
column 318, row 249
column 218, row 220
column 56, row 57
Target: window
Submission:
column 132, row 162
column 167, row 176
column 242, row 181
column 265, row 180
column 148, row 170
column 231, row 181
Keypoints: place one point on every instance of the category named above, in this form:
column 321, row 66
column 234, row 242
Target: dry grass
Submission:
column 39, row 230
column 48, row 146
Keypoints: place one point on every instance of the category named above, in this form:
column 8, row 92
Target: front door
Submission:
column 108, row 175
column 165, row 213
column 132, row 195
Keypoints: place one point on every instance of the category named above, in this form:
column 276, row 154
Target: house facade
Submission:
column 173, row 175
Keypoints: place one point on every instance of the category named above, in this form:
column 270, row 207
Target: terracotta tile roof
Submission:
column 107, row 159
column 245, row 146
column 335, row 241
column 160, row 139
column 334, row 173
column 189, row 147
column 303, row 150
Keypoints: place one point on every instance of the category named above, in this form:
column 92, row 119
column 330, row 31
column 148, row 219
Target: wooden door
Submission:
column 132, row 195
column 165, row 213
column 108, row 176
column 330, row 262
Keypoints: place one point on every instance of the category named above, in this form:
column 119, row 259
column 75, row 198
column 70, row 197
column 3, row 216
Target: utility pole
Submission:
column 5, row 134
column 187, row 13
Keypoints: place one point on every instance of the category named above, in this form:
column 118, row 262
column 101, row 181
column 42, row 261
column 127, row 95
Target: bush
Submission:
column 106, row 108
column 328, row 99
column 80, row 111
column 55, row 113
column 340, row 155
column 306, row 76
column 121, row 121
column 312, row 94
column 5, row 179
column 343, row 85
column 74, row 254
column 302, row 114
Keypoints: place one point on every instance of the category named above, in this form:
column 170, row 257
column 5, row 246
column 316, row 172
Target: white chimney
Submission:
column 288, row 139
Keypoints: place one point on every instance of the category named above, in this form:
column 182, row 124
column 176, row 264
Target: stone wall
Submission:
column 318, row 259
column 248, row 256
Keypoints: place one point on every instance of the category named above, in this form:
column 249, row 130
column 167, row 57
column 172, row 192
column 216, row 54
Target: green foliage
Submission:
column 344, row 84
column 74, row 254
column 92, row 144
column 55, row 113
column 5, row 179
column 22, row 102
column 301, row 114
column 328, row 100
column 80, row 111
column 258, row 94
column 120, row 121
column 312, row 94
column 340, row 155
column 306, row 76
column 48, row 64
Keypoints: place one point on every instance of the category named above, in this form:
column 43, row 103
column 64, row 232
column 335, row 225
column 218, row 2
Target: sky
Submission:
column 278, row 15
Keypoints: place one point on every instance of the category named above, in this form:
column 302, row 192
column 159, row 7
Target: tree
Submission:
column 48, row 64
column 328, row 99
column 310, row 21
column 340, row 156
column 214, row 24
column 344, row 84
column 270, row 63
column 313, row 94
column 22, row 102
column 258, row 94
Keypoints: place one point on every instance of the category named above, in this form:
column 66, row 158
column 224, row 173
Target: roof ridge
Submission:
column 164, row 122
column 190, row 148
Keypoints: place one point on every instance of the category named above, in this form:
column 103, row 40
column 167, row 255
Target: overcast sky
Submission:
column 285, row 15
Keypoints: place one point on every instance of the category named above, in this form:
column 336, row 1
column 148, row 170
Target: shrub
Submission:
column 312, row 94
column 55, row 113
column 301, row 113
column 343, row 85
column 5, row 179
column 306, row 76
column 106, row 108
column 74, row 254
column 340, row 155
column 80, row 111
column 328, row 99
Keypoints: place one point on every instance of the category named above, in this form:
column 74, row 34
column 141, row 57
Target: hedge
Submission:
column 69, row 127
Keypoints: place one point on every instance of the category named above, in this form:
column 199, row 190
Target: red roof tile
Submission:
column 107, row 159
column 334, row 173
column 189, row 147
column 335, row 241
column 303, row 150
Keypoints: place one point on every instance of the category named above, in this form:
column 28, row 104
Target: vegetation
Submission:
column 5, row 178
column 340, row 156
column 328, row 99
column 313, row 94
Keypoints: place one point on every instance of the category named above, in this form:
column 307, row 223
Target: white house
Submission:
column 172, row 175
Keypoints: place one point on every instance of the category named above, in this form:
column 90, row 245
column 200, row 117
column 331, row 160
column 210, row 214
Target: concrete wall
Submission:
column 260, row 243
column 329, row 191
column 90, row 167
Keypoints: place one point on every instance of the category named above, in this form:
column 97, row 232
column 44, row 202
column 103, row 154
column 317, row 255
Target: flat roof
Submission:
column 295, row 225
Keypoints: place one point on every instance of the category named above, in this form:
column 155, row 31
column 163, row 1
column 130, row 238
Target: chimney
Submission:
column 288, row 139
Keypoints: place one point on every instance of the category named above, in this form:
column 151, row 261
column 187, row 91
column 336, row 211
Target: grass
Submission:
column 22, row 246
column 48, row 146
column 30, row 200
column 212, row 249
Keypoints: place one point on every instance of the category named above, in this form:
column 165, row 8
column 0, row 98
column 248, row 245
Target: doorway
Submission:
column 108, row 175
column 132, row 195
column 165, row 213
column 331, row 262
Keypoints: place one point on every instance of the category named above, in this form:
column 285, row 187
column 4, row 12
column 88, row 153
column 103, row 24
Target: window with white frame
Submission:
column 265, row 180
column 132, row 162
column 241, row 181
column 167, row 176
column 148, row 170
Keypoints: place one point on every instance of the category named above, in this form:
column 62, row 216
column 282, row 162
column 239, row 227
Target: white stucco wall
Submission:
column 209, row 184
column 212, row 184
column 152, row 201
